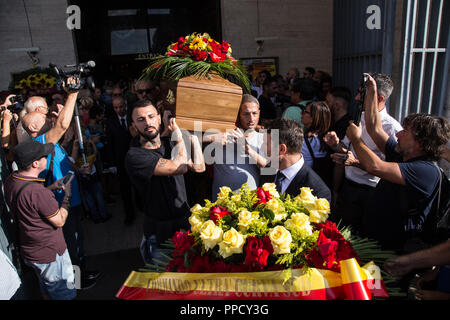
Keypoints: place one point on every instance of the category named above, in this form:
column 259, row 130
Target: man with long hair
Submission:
column 409, row 180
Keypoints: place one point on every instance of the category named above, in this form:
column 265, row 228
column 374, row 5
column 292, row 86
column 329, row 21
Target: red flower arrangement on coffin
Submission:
column 250, row 231
column 197, row 55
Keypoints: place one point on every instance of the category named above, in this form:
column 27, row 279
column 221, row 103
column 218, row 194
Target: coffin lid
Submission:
column 214, row 83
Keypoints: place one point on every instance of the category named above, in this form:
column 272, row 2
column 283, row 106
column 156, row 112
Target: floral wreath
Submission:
column 35, row 78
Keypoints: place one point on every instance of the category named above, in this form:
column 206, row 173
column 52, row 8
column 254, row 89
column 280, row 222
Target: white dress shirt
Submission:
column 391, row 127
column 290, row 173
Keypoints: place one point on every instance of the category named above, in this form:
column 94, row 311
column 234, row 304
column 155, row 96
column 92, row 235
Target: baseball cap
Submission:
column 27, row 152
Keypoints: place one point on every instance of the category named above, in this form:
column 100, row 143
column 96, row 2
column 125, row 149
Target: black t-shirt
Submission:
column 394, row 209
column 340, row 126
column 267, row 109
column 165, row 201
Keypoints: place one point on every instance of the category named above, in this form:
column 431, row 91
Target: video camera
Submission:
column 362, row 94
column 17, row 99
column 79, row 71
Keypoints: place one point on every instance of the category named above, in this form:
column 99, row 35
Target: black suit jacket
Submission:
column 305, row 177
column 118, row 140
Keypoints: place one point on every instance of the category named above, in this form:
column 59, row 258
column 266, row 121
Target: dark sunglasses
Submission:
column 117, row 95
column 144, row 90
column 303, row 108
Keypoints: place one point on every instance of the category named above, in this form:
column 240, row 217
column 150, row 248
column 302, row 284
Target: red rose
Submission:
column 263, row 195
column 218, row 213
column 225, row 46
column 214, row 57
column 183, row 241
column 181, row 40
column 200, row 264
column 257, row 251
column 176, row 265
column 199, row 55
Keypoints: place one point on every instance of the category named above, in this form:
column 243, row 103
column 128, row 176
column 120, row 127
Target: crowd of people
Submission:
column 379, row 176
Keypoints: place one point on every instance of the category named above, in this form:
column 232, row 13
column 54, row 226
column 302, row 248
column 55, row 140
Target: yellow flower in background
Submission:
column 306, row 194
column 272, row 188
column 197, row 43
column 210, row 234
column 274, row 205
column 299, row 221
column 236, row 198
column 281, row 239
column 246, row 218
column 195, row 222
column 318, row 216
column 223, row 193
column 232, row 242
column 322, row 204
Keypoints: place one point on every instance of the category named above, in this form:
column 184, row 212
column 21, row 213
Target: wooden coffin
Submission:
column 214, row 101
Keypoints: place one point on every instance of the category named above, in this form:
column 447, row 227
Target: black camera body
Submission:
column 17, row 99
column 362, row 94
column 79, row 72
column 14, row 107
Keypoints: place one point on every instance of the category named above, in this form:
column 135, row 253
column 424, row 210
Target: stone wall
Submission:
column 304, row 29
column 47, row 23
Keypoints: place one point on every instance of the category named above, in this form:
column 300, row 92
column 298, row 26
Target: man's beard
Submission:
column 150, row 136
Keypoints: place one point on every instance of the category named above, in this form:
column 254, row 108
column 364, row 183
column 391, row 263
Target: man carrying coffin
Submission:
column 156, row 164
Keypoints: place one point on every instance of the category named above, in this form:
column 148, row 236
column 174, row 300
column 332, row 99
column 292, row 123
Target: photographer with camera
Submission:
column 397, row 213
column 357, row 184
column 40, row 129
column 9, row 119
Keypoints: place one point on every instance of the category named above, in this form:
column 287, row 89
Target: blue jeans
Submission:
column 150, row 249
column 56, row 279
column 93, row 195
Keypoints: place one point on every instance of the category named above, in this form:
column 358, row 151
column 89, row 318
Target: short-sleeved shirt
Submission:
column 236, row 167
column 61, row 167
column 295, row 112
column 164, row 196
column 39, row 240
column 395, row 209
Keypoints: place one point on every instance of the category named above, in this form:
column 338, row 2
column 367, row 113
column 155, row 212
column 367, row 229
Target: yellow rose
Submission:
column 306, row 194
column 299, row 221
column 280, row 239
column 196, row 209
column 274, row 205
column 236, row 198
column 232, row 242
column 223, row 193
column 272, row 188
column 246, row 218
column 318, row 216
column 195, row 222
column 322, row 204
column 210, row 234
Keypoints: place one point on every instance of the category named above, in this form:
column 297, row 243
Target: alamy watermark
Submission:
column 373, row 22
column 232, row 151
column 74, row 19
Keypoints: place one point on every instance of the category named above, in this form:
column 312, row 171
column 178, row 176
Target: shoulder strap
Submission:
column 310, row 149
column 49, row 176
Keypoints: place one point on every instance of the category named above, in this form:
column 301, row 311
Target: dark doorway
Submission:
column 121, row 36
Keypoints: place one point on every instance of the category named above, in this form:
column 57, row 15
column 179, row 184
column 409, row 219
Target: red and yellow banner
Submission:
column 353, row 283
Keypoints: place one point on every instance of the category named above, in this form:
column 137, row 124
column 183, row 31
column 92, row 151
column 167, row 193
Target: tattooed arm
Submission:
column 178, row 165
column 197, row 163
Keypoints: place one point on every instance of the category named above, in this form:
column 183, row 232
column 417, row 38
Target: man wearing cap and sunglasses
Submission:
column 39, row 220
